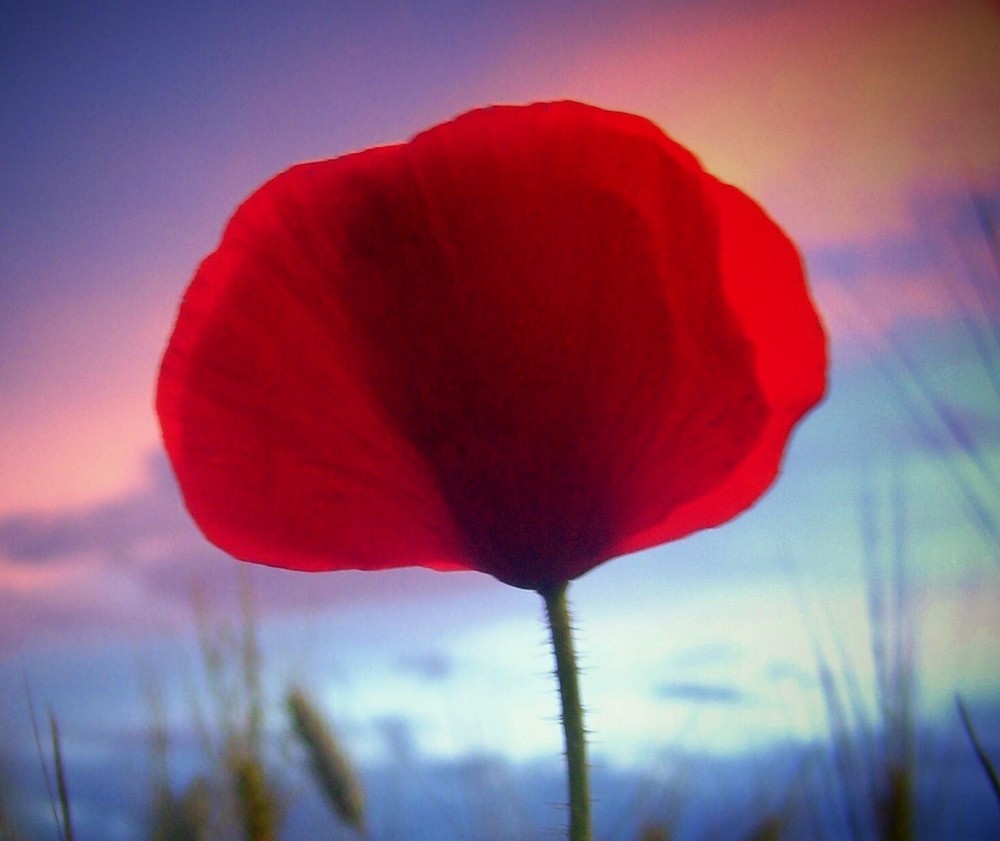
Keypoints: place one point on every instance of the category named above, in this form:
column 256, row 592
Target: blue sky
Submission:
column 129, row 133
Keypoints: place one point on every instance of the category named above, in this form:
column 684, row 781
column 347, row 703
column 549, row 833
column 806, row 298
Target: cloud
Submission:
column 941, row 268
column 914, row 317
column 855, row 262
column 700, row 693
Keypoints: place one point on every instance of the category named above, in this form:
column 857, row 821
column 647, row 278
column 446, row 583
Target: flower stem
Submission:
column 557, row 610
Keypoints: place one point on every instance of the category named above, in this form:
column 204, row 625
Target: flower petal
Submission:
column 281, row 454
column 529, row 340
column 765, row 286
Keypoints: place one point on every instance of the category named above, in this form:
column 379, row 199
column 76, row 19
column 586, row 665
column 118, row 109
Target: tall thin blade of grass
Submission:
column 259, row 811
column 991, row 236
column 158, row 734
column 913, row 388
column 976, row 297
column 44, row 765
column 878, row 610
column 847, row 764
column 251, row 660
column 173, row 817
column 895, row 765
column 873, row 747
column 214, row 645
column 979, row 510
column 903, row 656
column 943, row 412
column 984, row 759
column 182, row 818
column 61, row 786
column 894, row 807
column 247, row 798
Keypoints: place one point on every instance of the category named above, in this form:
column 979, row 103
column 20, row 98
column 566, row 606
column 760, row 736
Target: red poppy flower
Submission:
column 527, row 341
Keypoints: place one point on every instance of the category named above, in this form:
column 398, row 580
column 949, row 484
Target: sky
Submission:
column 129, row 133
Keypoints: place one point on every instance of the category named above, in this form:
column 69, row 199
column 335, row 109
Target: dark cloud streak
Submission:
column 113, row 529
column 143, row 562
column 700, row 693
column 431, row 666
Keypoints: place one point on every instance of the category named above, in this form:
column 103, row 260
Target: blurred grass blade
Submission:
column 182, row 818
column 977, row 746
column 769, row 828
column 991, row 235
column 61, row 787
column 259, row 812
column 250, row 659
column 913, row 392
column 41, row 761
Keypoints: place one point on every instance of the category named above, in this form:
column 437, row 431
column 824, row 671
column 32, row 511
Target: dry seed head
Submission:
column 330, row 767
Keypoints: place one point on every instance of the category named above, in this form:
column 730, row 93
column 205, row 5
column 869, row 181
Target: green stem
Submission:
column 572, row 712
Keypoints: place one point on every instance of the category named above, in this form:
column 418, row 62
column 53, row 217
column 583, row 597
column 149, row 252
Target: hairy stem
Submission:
column 557, row 611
